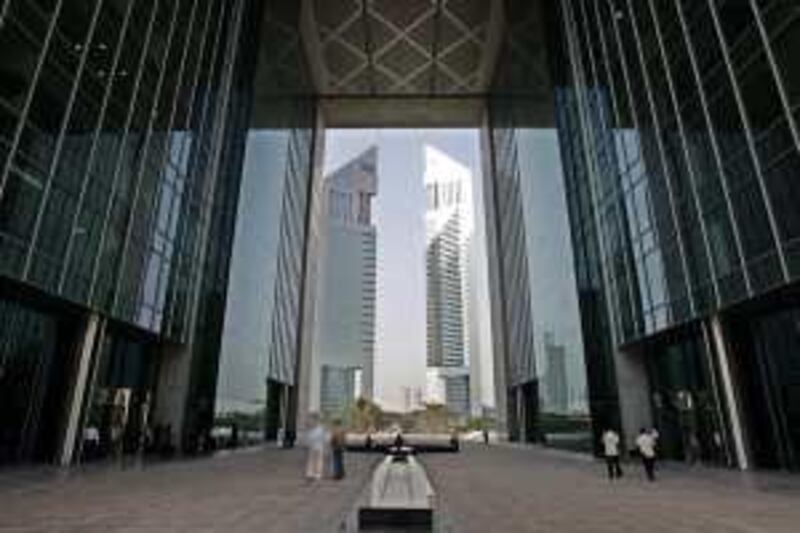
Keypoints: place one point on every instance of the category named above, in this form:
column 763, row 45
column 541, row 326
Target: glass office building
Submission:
column 112, row 137
column 545, row 359
column 123, row 128
column 136, row 137
column 678, row 139
column 679, row 125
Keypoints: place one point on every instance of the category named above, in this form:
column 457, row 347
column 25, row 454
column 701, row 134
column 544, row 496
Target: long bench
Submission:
column 420, row 442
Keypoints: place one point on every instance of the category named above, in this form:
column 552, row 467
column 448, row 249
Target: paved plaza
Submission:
column 504, row 488
column 495, row 489
column 259, row 490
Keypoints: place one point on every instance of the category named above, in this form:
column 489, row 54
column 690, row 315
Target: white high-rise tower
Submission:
column 449, row 231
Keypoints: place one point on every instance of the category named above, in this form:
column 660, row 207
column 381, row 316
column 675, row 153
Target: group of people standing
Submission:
column 646, row 443
column 325, row 444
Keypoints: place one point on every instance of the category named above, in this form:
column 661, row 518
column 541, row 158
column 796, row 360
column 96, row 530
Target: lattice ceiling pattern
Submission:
column 421, row 47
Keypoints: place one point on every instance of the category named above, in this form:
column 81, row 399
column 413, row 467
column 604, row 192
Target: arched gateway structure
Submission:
column 126, row 127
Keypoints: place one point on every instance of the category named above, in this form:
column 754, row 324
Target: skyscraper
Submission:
column 449, row 230
column 344, row 341
column 555, row 377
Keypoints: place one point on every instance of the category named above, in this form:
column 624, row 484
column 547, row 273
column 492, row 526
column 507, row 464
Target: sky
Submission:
column 400, row 220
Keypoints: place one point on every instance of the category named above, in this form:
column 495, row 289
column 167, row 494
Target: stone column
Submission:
column 730, row 398
column 307, row 376
column 634, row 393
column 172, row 389
column 496, row 315
column 87, row 347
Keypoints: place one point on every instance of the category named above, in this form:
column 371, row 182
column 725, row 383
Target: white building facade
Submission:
column 449, row 225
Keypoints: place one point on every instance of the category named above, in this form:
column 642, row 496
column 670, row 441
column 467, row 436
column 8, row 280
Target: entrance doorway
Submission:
column 685, row 408
column 118, row 416
column 766, row 350
column 279, row 425
column 36, row 352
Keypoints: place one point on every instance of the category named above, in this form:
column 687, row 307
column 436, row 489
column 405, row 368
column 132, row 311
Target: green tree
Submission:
column 365, row 416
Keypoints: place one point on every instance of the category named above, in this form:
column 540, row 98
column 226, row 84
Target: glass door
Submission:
column 777, row 350
column 34, row 377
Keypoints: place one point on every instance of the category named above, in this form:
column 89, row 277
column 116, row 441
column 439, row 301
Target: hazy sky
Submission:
column 400, row 220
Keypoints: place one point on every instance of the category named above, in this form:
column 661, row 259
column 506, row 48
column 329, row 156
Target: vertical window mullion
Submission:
column 732, row 215
column 665, row 168
column 764, row 193
column 59, row 143
column 23, row 116
column 662, row 52
column 110, row 203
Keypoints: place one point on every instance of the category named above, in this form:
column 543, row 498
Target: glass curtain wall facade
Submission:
column 209, row 225
column 122, row 135
column 259, row 362
column 545, row 371
column 699, row 200
column 108, row 121
column 519, row 363
column 679, row 120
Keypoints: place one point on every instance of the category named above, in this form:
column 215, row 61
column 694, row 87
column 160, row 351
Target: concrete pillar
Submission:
column 731, row 402
column 307, row 377
column 172, row 389
column 89, row 340
column 496, row 315
column 634, row 394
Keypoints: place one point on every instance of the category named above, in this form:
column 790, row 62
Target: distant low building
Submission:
column 555, row 379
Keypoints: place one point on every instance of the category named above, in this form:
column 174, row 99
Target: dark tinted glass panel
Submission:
column 35, row 369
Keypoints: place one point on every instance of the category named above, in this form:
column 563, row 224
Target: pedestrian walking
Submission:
column 646, row 444
column 117, row 432
column 486, row 436
column 653, row 431
column 719, row 448
column 454, row 444
column 693, row 450
column 611, row 452
column 338, row 443
column 315, row 440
